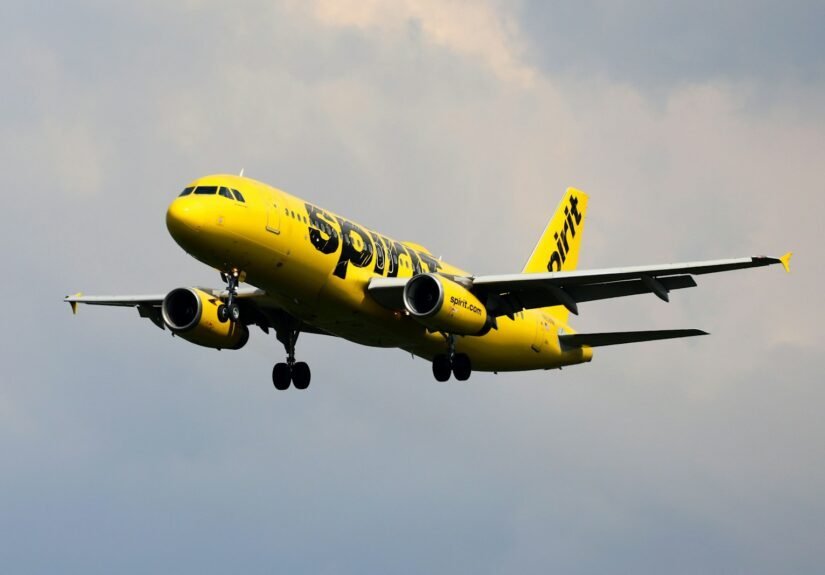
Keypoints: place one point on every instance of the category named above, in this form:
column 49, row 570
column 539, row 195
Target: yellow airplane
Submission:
column 316, row 272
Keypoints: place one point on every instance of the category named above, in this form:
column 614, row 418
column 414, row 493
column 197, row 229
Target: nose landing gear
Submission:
column 230, row 310
column 293, row 371
column 457, row 364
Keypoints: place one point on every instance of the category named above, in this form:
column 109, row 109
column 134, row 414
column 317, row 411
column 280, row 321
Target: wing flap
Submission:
column 622, row 337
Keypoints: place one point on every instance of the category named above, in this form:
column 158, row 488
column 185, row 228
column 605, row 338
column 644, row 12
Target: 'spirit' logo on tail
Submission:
column 572, row 219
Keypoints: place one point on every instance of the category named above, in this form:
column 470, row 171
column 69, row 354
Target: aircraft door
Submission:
column 542, row 331
column 273, row 218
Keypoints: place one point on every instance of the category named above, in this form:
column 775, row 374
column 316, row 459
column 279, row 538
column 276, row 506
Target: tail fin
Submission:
column 558, row 248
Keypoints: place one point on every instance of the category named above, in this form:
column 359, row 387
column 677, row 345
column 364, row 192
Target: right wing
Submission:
column 510, row 294
column 506, row 295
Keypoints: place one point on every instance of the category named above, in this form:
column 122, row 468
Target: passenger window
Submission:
column 206, row 190
column 186, row 192
column 225, row 193
column 238, row 195
column 286, row 211
column 293, row 215
column 305, row 220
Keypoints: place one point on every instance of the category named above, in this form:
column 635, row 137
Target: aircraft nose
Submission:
column 185, row 215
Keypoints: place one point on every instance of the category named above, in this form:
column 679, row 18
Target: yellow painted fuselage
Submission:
column 316, row 265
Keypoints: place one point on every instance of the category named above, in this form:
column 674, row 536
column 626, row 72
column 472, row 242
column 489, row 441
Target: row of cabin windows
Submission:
column 295, row 216
column 228, row 193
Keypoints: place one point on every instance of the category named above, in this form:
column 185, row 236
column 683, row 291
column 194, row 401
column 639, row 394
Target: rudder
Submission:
column 558, row 248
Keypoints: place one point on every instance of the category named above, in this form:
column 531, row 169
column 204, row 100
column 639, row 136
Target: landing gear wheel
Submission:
column 223, row 313
column 233, row 312
column 295, row 371
column 300, row 375
column 281, row 376
column 441, row 367
column 462, row 367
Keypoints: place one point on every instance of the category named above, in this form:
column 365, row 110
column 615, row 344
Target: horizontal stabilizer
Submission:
column 618, row 337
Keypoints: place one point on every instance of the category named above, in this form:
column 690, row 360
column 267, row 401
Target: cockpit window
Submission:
column 206, row 190
column 238, row 195
column 186, row 192
column 225, row 193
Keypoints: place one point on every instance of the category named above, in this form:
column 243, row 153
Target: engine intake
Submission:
column 444, row 305
column 192, row 314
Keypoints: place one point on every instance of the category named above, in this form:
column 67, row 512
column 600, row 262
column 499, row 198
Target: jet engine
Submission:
column 444, row 305
column 193, row 315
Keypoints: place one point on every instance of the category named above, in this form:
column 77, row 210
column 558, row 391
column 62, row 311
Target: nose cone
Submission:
column 185, row 215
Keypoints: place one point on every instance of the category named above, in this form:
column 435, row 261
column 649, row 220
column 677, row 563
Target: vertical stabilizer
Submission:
column 558, row 248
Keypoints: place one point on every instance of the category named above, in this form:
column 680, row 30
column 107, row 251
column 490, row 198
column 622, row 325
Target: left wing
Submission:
column 154, row 300
column 260, row 310
column 506, row 295
column 148, row 306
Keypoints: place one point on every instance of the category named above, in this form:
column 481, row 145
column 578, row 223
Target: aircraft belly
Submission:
column 509, row 348
column 347, row 311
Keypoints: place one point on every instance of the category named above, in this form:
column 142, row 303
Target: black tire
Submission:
column 301, row 375
column 441, row 368
column 280, row 376
column 234, row 312
column 462, row 368
column 223, row 314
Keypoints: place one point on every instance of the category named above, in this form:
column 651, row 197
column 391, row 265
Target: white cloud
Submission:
column 478, row 30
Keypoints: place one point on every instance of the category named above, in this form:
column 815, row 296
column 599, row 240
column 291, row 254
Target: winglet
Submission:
column 73, row 302
column 786, row 261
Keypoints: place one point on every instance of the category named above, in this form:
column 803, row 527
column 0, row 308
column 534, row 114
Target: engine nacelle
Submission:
column 444, row 305
column 193, row 315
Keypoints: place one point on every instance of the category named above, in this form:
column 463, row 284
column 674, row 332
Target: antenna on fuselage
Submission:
column 241, row 174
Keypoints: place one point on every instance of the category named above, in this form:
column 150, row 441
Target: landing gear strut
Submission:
column 457, row 364
column 230, row 309
column 293, row 371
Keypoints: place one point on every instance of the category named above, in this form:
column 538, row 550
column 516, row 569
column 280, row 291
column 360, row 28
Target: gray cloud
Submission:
column 666, row 45
column 126, row 449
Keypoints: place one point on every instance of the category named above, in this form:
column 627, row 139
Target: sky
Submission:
column 698, row 130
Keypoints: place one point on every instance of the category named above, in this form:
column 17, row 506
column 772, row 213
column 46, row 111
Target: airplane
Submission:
column 309, row 270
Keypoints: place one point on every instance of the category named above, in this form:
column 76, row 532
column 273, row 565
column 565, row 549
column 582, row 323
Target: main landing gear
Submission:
column 296, row 372
column 457, row 364
column 230, row 310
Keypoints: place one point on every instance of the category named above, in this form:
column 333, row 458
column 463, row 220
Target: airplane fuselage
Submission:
column 316, row 266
